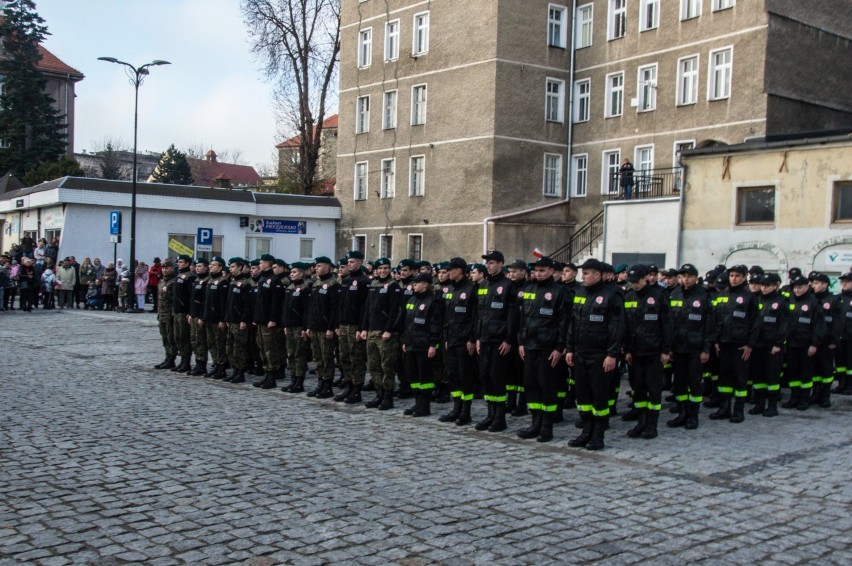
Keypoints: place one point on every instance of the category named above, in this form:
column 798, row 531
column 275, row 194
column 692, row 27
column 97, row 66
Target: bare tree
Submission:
column 197, row 151
column 298, row 41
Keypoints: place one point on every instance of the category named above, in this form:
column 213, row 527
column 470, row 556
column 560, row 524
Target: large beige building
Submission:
column 502, row 123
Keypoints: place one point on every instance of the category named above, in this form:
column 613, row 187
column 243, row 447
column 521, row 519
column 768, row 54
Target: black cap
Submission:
column 422, row 278
column 756, row 279
column 354, row 254
column 324, row 259
column 184, row 257
column 267, row 257
column 595, row 264
column 688, row 269
column 570, row 264
column 495, row 255
column 281, row 263
column 457, row 263
column 846, row 276
column 607, row 267
column 637, row 272
column 545, row 262
column 652, row 268
column 518, row 264
column 756, row 270
column 799, row 281
column 771, row 279
column 739, row 269
column 794, row 272
column 721, row 282
column 822, row 277
column 670, row 272
column 812, row 275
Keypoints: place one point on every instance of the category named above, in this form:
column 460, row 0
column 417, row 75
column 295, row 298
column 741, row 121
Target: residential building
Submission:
column 326, row 175
column 146, row 162
column 210, row 172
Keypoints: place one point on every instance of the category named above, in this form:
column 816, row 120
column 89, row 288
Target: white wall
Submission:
column 642, row 226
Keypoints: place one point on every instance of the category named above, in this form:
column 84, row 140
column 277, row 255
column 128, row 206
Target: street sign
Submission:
column 115, row 238
column 114, row 222
column 179, row 248
column 204, row 240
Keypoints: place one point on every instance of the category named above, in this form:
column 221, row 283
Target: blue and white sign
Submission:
column 279, row 226
column 114, row 222
column 204, row 240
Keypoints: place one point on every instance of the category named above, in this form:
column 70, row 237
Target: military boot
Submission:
column 338, row 382
column 354, row 396
column 230, row 378
column 793, row 400
column 424, row 410
column 454, row 412
column 642, row 422
column 199, row 369
column 511, row 401
column 521, row 407
column 546, row 432
column 167, row 363
column 599, row 426
column 240, row 377
column 377, row 400
column 824, row 400
column 214, row 367
column 347, row 390
column 498, row 423
column 847, row 387
column 650, row 430
column 289, row 387
column 804, row 400
column 221, row 373
column 387, row 400
column 412, row 409
column 534, row 429
column 183, row 366
column 557, row 415
column 771, row 405
column 691, row 416
column 405, row 391
column 315, row 391
column 680, row 419
column 486, row 422
column 724, row 410
column 326, row 391
column 759, row 402
column 299, row 386
column 584, row 437
column 370, row 386
column 441, row 394
column 464, row 415
column 632, row 414
column 737, row 415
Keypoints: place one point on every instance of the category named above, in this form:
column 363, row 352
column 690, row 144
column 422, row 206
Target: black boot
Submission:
column 546, row 432
column 840, row 380
column 511, row 401
column 680, row 419
column 498, row 423
column 691, row 416
column 377, row 400
column 793, row 400
column 214, row 367
column 220, row 372
column 737, row 415
column 771, row 405
column 759, row 402
column 268, row 382
column 424, row 410
column 339, row 381
column 521, row 407
column 584, row 437
column 824, row 399
column 354, row 396
column 299, row 385
column 641, row 423
column 650, row 430
column 804, row 400
column 412, row 409
column 167, row 363
column 315, row 391
column 486, row 422
column 289, row 387
column 454, row 412
column 387, row 400
column 442, row 394
column 534, row 429
column 326, row 391
column 370, row 386
column 631, row 415
column 557, row 416
column 240, row 377
column 183, row 366
column 464, row 415
column 199, row 369
column 599, row 426
column 724, row 410
column 345, row 393
column 405, row 391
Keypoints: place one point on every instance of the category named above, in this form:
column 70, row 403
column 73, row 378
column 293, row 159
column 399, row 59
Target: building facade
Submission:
column 326, row 172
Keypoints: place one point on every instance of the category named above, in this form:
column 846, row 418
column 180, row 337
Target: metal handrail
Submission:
column 582, row 240
column 647, row 183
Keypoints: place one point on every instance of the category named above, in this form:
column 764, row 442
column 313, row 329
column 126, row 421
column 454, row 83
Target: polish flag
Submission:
column 538, row 253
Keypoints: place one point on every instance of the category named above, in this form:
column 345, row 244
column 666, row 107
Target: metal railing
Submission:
column 582, row 241
column 649, row 183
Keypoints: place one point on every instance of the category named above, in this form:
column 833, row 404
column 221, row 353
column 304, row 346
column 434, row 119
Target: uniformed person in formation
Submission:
column 213, row 317
column 182, row 295
column 297, row 295
column 843, row 331
column 267, row 315
column 807, row 332
column 353, row 349
column 420, row 342
column 380, row 330
column 516, row 400
column 594, row 344
column 197, row 334
column 165, row 318
column 238, row 314
column 772, row 330
column 824, row 359
column 255, row 364
column 460, row 341
column 322, row 320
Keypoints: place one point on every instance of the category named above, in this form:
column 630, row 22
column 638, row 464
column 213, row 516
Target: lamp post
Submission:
column 136, row 76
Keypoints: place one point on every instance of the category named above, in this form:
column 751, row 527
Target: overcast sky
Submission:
column 212, row 93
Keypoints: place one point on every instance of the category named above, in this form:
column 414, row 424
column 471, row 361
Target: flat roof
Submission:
column 777, row 141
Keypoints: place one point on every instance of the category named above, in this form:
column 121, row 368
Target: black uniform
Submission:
column 736, row 313
column 824, row 358
column 459, row 331
column 772, row 328
column 267, row 309
column 353, row 352
column 238, row 313
column 497, row 322
column 807, row 329
column 843, row 331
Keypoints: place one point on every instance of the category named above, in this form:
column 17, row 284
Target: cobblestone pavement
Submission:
column 105, row 461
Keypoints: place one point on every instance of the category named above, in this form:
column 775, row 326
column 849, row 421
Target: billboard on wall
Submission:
column 270, row 226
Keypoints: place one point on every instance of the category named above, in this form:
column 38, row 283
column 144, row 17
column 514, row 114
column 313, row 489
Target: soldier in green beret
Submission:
column 181, row 296
column 213, row 317
column 165, row 318
column 238, row 312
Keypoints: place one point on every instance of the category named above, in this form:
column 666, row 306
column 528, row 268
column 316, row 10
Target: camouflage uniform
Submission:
column 296, row 298
column 181, row 302
column 238, row 312
column 197, row 335
column 215, row 301
column 165, row 316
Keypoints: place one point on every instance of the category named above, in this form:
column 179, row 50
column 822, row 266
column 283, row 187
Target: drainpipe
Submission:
column 680, row 215
column 67, row 115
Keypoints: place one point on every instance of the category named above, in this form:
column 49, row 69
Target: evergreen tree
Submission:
column 110, row 164
column 31, row 128
column 50, row 170
column 173, row 168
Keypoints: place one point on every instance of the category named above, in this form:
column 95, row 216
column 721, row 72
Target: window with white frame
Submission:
column 649, row 14
column 584, row 23
column 362, row 115
column 580, row 172
column 582, row 100
column 417, row 175
column 420, row 34
column 643, row 163
column 614, row 95
column 554, row 100
column 418, row 105
column 609, row 171
column 647, row 88
column 365, row 47
column 557, row 25
column 717, row 5
column 690, row 9
column 392, row 40
column 415, row 247
column 389, row 110
column 388, row 188
column 679, row 148
column 719, row 73
column 386, row 245
column 306, row 248
column 617, row 20
column 687, row 80
column 359, row 243
column 552, row 175
column 361, row 180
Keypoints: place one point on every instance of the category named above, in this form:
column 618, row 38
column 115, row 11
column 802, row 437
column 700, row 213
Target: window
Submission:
column 552, row 174
column 306, row 248
column 583, row 33
column 554, row 100
column 843, row 201
column 417, row 176
column 617, row 24
column 647, row 88
column 614, row 95
column 649, row 14
column 188, row 240
column 418, row 105
column 389, row 110
column 392, row 41
column 580, row 171
column 361, row 180
column 719, row 80
column 415, row 247
column 680, row 147
column 643, row 163
column 717, row 5
column 690, row 9
column 582, row 94
column 359, row 243
column 388, row 178
column 386, row 246
column 362, row 118
column 365, row 47
column 557, row 30
column 609, row 171
column 755, row 205
column 256, row 247
column 687, row 80
column 420, row 36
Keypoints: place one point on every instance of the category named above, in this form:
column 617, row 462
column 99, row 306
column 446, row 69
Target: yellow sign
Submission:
column 179, row 248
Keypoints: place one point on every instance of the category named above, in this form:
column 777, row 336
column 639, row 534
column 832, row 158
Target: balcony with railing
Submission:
column 646, row 184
